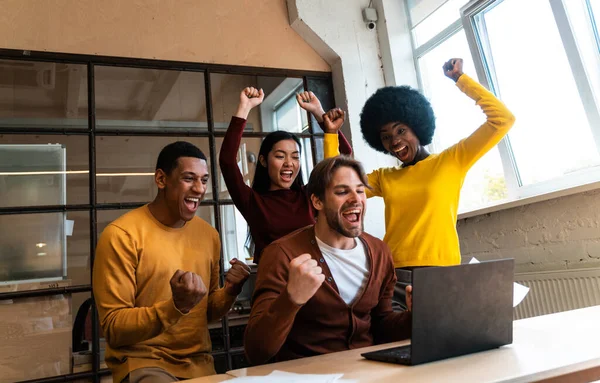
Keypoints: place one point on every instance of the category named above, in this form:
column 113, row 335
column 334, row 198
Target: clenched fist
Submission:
column 236, row 276
column 250, row 97
column 453, row 68
column 305, row 279
column 333, row 120
column 187, row 289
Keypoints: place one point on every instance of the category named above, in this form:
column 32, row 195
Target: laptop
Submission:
column 456, row 310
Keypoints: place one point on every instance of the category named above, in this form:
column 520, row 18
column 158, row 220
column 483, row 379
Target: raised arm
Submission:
column 114, row 285
column 498, row 122
column 335, row 141
column 238, row 190
column 282, row 287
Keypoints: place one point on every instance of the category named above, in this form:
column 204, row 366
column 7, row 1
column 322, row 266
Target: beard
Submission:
column 335, row 221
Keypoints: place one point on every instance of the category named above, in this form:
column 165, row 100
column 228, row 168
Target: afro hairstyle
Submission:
column 397, row 104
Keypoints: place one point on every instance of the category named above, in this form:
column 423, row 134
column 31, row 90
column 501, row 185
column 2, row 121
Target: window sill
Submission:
column 530, row 200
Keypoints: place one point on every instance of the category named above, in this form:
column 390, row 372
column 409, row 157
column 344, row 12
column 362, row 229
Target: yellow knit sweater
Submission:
column 135, row 260
column 421, row 201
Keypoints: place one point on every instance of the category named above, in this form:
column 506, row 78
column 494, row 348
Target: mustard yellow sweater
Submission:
column 421, row 201
column 135, row 260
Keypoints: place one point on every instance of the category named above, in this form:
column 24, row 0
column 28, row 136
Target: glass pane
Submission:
column 545, row 145
column 457, row 117
column 43, row 95
column 133, row 98
column 34, row 248
column 584, row 25
column 437, row 21
column 37, row 335
column 279, row 91
column 323, row 89
column 234, row 235
column 40, row 170
column 595, row 7
column 247, row 157
column 319, row 152
column 125, row 166
column 104, row 217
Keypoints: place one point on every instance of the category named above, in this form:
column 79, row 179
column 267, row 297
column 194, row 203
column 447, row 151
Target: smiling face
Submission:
column 399, row 140
column 283, row 164
column 184, row 188
column 344, row 203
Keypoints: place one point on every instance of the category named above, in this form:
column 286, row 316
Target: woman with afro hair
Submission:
column 421, row 196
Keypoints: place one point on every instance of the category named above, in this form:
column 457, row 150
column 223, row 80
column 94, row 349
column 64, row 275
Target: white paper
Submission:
column 288, row 377
column 519, row 291
column 69, row 227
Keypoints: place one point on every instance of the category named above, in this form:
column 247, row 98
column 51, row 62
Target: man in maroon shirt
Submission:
column 326, row 287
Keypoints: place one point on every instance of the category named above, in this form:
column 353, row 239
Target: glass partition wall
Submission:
column 79, row 138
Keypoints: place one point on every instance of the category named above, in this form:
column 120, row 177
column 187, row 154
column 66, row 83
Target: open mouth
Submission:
column 286, row 175
column 401, row 152
column 352, row 215
column 192, row 203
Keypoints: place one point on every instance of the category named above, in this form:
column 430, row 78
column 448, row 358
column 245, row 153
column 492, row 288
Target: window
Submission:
column 71, row 163
column 548, row 74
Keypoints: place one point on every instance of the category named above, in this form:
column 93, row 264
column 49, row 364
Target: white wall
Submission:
column 336, row 31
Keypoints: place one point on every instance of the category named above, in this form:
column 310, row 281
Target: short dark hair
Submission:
column 397, row 104
column 262, row 182
column 321, row 175
column 170, row 154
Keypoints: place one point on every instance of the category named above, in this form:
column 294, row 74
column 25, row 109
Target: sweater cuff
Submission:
column 284, row 305
column 168, row 313
column 331, row 145
column 237, row 121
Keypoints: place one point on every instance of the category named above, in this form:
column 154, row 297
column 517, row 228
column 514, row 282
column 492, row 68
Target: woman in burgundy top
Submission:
column 277, row 203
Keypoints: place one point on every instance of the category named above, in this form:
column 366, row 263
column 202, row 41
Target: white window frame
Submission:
column 518, row 194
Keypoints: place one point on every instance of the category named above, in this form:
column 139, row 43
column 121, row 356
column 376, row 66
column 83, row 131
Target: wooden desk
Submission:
column 211, row 379
column 543, row 347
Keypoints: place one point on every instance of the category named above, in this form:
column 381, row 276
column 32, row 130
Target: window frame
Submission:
column 519, row 194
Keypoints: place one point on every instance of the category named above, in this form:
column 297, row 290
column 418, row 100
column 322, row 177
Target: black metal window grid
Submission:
column 320, row 82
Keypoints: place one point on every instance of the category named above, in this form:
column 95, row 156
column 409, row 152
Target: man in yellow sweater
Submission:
column 156, row 278
column 421, row 196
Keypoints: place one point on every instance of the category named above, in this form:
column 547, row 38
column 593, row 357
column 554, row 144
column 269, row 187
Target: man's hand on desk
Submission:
column 409, row 297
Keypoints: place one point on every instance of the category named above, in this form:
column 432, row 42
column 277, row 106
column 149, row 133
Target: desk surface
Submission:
column 211, row 379
column 543, row 347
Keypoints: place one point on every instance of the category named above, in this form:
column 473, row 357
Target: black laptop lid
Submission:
column 459, row 310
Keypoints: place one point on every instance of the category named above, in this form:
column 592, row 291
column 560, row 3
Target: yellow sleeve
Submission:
column 219, row 302
column 498, row 122
column 114, row 286
column 331, row 145
column 374, row 181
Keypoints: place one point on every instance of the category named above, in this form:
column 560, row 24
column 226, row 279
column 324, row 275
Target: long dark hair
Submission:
column 262, row 182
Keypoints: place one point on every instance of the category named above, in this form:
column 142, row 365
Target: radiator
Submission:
column 556, row 291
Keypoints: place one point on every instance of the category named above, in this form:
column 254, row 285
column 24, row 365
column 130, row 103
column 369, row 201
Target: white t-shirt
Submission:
column 349, row 268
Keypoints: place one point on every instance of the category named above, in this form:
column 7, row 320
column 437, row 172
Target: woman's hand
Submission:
column 453, row 69
column 249, row 98
column 309, row 102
